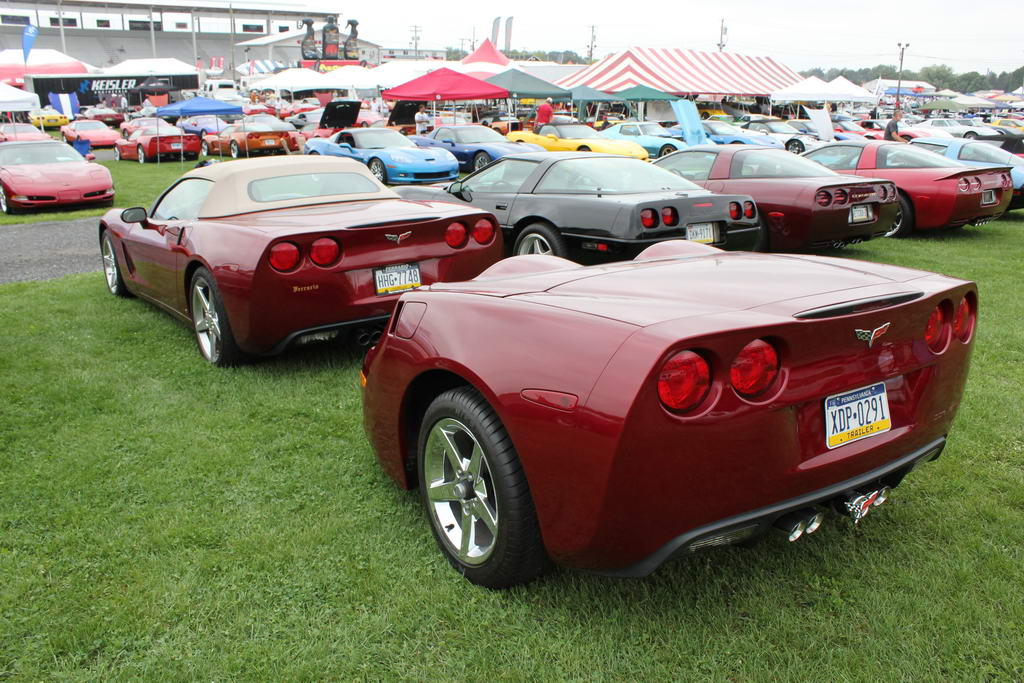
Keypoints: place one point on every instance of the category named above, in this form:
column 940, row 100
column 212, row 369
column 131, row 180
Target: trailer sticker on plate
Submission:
column 988, row 197
column 855, row 415
column 396, row 278
column 701, row 232
column 860, row 213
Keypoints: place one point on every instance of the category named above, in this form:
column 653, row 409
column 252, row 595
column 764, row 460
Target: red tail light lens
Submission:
column 1007, row 181
column 684, row 381
column 823, row 198
column 284, row 256
column 933, row 330
column 456, row 235
column 648, row 218
column 841, row 196
column 754, row 368
column 975, row 183
column 483, row 231
column 734, row 211
column 669, row 216
column 963, row 185
column 324, row 251
column 748, row 209
column 963, row 321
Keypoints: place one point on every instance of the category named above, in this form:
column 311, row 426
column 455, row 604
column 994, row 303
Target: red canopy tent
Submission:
column 40, row 61
column 445, row 85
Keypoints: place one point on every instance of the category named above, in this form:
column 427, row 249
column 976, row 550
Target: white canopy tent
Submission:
column 847, row 91
column 294, row 80
column 351, row 76
column 813, row 89
column 163, row 67
column 15, row 99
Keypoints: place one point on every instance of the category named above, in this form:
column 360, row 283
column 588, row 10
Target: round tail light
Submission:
column 456, row 235
column 648, row 218
column 1007, row 181
column 669, row 216
column 975, row 183
column 841, row 196
column 748, row 209
column 754, row 368
column 324, row 251
column 284, row 256
column 963, row 321
column 823, row 198
column 684, row 381
column 735, row 211
column 963, row 185
column 483, row 231
column 934, row 329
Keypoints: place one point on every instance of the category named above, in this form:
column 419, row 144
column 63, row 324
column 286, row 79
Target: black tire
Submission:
column 970, row 135
column 480, row 159
column 665, row 151
column 795, row 146
column 584, row 148
column 903, row 225
column 111, row 268
column 222, row 351
column 141, row 154
column 540, row 238
column 236, row 151
column 5, row 205
column 378, row 169
column 514, row 551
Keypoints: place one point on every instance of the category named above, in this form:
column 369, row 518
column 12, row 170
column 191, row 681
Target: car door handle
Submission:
column 501, row 206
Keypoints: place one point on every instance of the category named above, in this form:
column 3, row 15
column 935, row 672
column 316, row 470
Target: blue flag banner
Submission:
column 65, row 102
column 28, row 39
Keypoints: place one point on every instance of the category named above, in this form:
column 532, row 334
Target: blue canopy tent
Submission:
column 906, row 92
column 196, row 106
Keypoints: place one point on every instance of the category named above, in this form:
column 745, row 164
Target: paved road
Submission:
column 40, row 251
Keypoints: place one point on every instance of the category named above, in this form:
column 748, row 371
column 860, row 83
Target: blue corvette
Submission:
column 658, row 141
column 722, row 133
column 980, row 154
column 204, row 124
column 474, row 146
column 390, row 156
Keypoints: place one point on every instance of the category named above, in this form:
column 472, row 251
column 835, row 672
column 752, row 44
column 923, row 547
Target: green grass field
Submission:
column 162, row 519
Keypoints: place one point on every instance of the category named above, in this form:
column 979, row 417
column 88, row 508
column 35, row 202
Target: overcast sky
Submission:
column 967, row 35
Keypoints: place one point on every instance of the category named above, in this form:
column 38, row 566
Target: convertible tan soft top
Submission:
column 231, row 196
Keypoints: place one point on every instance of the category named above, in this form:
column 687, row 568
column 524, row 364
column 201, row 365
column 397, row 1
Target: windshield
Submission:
column 577, row 131
column 979, row 151
column 381, row 138
column 101, row 110
column 974, row 123
column 18, row 128
column 719, row 128
column 776, row 163
column 163, row 129
column 780, row 127
column 654, row 129
column 850, row 126
column 909, row 156
column 476, row 134
column 266, row 124
column 608, row 175
column 46, row 153
column 90, row 125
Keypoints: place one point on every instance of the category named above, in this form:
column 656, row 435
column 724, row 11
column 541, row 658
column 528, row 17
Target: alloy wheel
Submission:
column 204, row 316
column 109, row 264
column 534, row 244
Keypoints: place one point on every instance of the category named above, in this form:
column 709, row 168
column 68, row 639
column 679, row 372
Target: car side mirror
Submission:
column 90, row 157
column 345, row 145
column 136, row 214
column 552, row 136
column 450, row 143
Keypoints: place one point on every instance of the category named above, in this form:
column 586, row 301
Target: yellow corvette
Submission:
column 47, row 118
column 1016, row 125
column 573, row 137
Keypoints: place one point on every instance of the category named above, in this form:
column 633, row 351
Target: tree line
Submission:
column 558, row 56
column 939, row 75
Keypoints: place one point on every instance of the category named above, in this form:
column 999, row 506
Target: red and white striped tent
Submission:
column 685, row 72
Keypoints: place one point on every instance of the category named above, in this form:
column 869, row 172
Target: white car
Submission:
column 960, row 128
column 792, row 139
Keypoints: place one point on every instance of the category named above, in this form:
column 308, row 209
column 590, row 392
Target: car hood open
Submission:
column 340, row 114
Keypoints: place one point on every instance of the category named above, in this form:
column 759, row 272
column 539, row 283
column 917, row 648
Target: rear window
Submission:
column 910, row 156
column 309, row 186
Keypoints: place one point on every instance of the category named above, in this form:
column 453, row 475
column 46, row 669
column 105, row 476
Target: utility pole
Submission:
column 899, row 77
column 590, row 47
column 722, row 32
column 415, row 42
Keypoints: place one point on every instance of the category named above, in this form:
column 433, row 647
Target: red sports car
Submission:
column 258, row 255
column 21, row 132
column 97, row 133
column 611, row 417
column 130, row 126
column 104, row 114
column 803, row 204
column 50, row 173
column 934, row 192
column 146, row 144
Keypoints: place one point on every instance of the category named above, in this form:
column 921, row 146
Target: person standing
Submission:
column 544, row 112
column 422, row 120
column 892, row 129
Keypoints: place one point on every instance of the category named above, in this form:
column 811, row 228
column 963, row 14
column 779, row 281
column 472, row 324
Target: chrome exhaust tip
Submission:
column 814, row 522
column 792, row 525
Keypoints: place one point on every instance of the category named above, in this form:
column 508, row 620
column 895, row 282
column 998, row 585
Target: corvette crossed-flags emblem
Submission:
column 871, row 336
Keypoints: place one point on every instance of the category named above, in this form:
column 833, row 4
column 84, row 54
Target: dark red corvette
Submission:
column 609, row 417
column 804, row 204
column 934, row 192
column 258, row 255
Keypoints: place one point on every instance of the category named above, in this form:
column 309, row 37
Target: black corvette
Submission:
column 585, row 205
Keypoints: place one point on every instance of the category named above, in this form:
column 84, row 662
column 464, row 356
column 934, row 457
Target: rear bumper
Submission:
column 759, row 521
